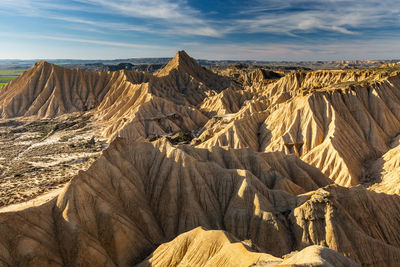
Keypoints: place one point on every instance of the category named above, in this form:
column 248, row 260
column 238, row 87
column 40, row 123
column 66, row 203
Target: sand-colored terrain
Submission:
column 188, row 167
column 38, row 156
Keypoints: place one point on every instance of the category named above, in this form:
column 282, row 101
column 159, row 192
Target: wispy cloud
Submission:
column 169, row 17
column 159, row 9
column 79, row 39
column 160, row 16
column 232, row 23
column 103, row 24
column 342, row 16
column 36, row 7
column 97, row 42
column 177, row 17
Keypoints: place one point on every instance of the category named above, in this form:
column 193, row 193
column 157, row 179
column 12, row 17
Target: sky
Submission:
column 272, row 30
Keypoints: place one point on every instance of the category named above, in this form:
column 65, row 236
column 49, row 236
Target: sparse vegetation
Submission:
column 181, row 137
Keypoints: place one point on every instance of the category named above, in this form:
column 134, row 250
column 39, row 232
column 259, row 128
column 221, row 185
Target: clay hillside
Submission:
column 192, row 166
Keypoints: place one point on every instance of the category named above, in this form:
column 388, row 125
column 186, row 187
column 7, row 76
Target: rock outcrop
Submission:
column 200, row 247
column 139, row 195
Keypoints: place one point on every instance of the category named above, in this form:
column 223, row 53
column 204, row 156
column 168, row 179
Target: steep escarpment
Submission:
column 383, row 173
column 299, row 83
column 237, row 130
column 351, row 221
column 183, row 64
column 227, row 102
column 337, row 131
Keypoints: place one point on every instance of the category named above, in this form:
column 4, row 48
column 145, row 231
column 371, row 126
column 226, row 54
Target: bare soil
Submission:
column 38, row 156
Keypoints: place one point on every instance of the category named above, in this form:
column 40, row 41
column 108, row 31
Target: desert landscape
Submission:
column 199, row 133
column 236, row 165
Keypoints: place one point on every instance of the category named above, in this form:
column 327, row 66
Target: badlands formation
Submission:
column 200, row 168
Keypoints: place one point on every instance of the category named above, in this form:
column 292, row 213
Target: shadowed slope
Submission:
column 139, row 195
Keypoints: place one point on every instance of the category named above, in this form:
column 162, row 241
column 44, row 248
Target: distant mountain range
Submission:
column 103, row 65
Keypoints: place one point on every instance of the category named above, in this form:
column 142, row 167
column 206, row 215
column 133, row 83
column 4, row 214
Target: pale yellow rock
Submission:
column 333, row 120
column 317, row 256
column 139, row 195
column 200, row 247
column 384, row 172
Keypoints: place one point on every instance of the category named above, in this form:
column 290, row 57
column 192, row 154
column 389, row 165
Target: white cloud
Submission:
column 159, row 9
column 160, row 16
column 177, row 17
column 78, row 39
column 373, row 49
column 343, row 16
column 167, row 17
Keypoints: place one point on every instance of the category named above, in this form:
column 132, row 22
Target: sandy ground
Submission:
column 40, row 156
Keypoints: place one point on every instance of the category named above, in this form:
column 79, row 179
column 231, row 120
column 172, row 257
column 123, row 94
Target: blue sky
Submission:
column 264, row 30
